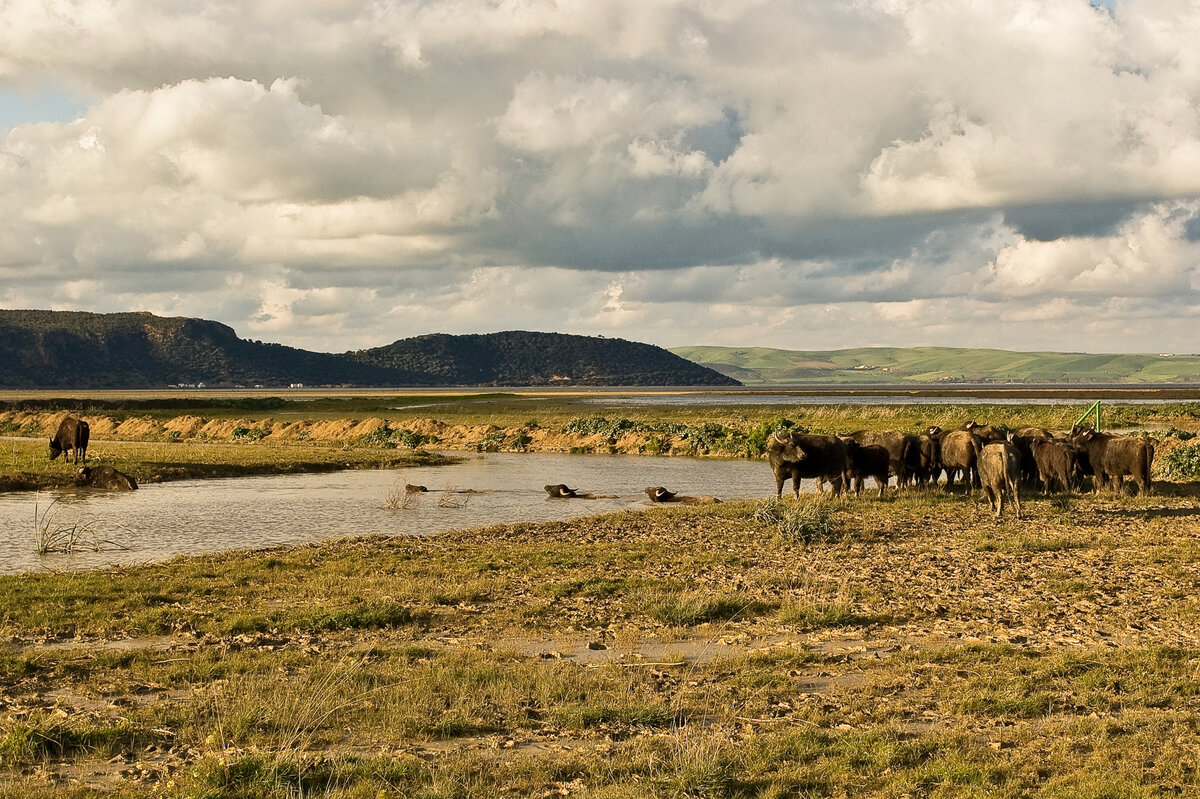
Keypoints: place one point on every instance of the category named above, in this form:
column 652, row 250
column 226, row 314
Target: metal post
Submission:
column 1095, row 406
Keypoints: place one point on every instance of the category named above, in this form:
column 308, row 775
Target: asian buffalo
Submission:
column 1113, row 456
column 104, row 477
column 660, row 494
column 959, row 453
column 1057, row 462
column 799, row 455
column 560, row 491
column 904, row 451
column 72, row 435
column 929, row 460
column 1023, row 440
column 986, row 433
column 1000, row 472
column 869, row 460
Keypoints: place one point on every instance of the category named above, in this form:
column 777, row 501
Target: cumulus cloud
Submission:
column 340, row 174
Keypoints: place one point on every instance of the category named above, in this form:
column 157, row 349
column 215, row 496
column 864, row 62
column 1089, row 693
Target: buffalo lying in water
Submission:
column 560, row 491
column 660, row 494
column 104, row 477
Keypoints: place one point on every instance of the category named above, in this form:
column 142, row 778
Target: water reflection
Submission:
column 160, row 521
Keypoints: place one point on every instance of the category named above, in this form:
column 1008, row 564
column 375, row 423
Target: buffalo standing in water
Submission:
column 72, row 435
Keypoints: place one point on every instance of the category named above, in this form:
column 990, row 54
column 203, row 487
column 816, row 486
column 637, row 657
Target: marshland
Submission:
column 905, row 646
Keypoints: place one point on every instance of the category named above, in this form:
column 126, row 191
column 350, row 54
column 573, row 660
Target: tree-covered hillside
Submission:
column 525, row 358
column 68, row 349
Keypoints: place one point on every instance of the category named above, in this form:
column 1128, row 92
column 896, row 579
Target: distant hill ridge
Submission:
column 924, row 365
column 76, row 349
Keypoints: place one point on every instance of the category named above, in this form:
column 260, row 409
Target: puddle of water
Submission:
column 189, row 517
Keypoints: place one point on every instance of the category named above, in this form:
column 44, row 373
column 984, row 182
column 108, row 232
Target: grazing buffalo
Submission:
column 1056, row 462
column 409, row 488
column 863, row 461
column 959, row 453
column 904, row 451
column 72, row 435
column 104, row 477
column 1113, row 457
column 1000, row 473
column 798, row 455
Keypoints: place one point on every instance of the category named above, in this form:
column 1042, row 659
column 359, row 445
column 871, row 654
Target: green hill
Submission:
column 67, row 349
column 889, row 365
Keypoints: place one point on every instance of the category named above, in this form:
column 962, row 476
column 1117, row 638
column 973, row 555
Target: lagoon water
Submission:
column 189, row 517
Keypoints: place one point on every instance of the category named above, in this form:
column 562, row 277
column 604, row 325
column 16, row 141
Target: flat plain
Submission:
column 905, row 646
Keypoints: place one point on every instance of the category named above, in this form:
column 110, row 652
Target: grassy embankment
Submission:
column 909, row 646
column 158, row 440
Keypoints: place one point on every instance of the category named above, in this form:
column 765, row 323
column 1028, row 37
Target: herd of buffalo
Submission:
column 991, row 458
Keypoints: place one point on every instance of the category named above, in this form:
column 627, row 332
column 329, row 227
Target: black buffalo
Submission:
column 72, row 436
column 869, row 460
column 799, row 455
column 104, row 477
column 660, row 494
column 904, row 451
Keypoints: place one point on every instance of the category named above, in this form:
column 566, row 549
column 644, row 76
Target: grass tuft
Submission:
column 808, row 519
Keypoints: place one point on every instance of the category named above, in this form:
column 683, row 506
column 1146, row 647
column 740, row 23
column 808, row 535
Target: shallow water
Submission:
column 189, row 517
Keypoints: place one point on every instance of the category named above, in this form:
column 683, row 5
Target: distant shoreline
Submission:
column 1110, row 391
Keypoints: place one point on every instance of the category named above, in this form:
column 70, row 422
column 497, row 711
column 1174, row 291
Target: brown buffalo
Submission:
column 72, row 436
column 560, row 491
column 869, row 460
column 1112, row 457
column 1056, row 462
column 799, row 455
column 929, row 461
column 104, row 477
column 959, row 453
column 1000, row 472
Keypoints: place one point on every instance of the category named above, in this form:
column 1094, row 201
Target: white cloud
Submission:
column 766, row 172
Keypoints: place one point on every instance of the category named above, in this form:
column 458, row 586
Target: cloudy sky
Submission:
column 803, row 174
